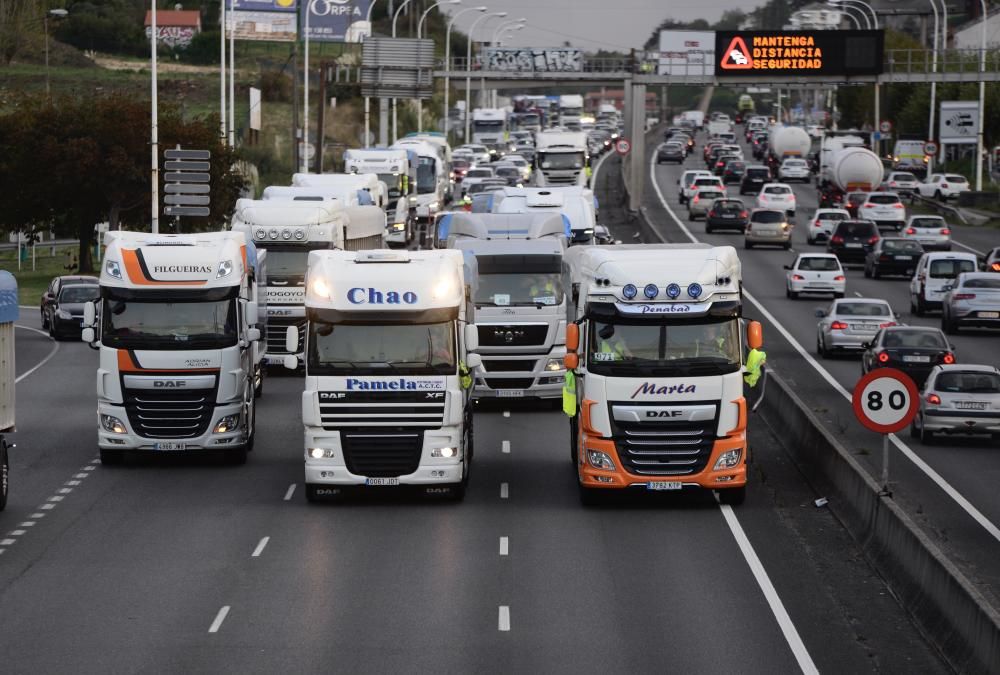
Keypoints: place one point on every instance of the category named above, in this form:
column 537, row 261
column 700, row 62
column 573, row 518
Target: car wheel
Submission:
column 921, row 308
column 938, row 196
column 787, row 246
column 948, row 326
column 45, row 323
column 868, row 272
column 926, row 437
column 914, row 432
column 875, row 273
column 747, row 245
column 732, row 496
column 821, row 347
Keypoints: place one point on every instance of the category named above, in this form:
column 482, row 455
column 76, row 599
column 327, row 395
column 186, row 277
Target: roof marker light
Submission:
column 694, row 290
column 673, row 291
column 629, row 291
column 651, row 291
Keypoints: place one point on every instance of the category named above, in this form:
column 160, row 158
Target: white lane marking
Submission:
column 16, row 533
column 55, row 348
column 858, row 294
column 504, row 545
column 219, row 618
column 37, row 516
column 597, row 169
column 767, row 588
column 27, row 523
column 938, row 479
column 66, row 491
column 7, row 542
column 56, row 498
column 968, row 248
column 503, row 621
column 504, row 491
column 47, row 507
column 95, row 461
column 73, row 483
column 506, row 413
column 290, row 492
column 505, row 447
column 80, row 475
column 260, row 547
column 89, row 467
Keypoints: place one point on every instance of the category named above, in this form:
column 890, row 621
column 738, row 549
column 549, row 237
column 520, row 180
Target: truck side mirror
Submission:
column 471, row 337
column 251, row 313
column 89, row 316
column 572, row 337
column 292, row 340
column 253, row 334
column 571, row 361
column 291, row 361
column 87, row 335
column 755, row 335
column 473, row 361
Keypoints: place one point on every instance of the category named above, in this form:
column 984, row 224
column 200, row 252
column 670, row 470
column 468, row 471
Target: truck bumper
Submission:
column 130, row 440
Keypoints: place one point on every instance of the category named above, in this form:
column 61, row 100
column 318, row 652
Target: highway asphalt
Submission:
column 177, row 564
column 950, row 487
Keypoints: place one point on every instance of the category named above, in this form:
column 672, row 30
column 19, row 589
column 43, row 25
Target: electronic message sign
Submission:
column 798, row 53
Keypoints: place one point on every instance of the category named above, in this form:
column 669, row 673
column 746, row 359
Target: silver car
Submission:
column 972, row 299
column 847, row 324
column 768, row 226
column 959, row 399
column 702, row 200
column 900, row 181
column 931, row 232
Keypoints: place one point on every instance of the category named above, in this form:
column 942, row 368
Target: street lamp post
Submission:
column 222, row 70
column 982, row 100
column 153, row 134
column 232, row 80
column 447, row 60
column 305, row 94
column 515, row 24
column 420, row 29
column 395, row 16
column 468, row 65
column 55, row 14
column 934, row 65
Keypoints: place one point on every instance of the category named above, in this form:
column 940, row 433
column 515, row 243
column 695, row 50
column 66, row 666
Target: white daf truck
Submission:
column 519, row 298
column 398, row 170
column 176, row 331
column 657, row 347
column 561, row 158
column 387, row 398
column 288, row 228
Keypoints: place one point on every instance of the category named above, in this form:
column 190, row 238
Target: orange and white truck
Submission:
column 656, row 353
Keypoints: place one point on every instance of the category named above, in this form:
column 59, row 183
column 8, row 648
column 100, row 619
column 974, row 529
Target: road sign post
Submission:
column 622, row 146
column 187, row 185
column 885, row 400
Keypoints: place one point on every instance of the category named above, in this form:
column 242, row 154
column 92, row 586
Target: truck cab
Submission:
column 433, row 177
column 387, row 399
column 561, row 158
column 576, row 205
column 489, row 127
column 397, row 169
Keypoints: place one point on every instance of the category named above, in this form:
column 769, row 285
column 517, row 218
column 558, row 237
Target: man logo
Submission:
column 664, row 413
column 175, row 384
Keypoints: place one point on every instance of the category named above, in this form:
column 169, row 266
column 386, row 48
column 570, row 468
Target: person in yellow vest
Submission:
column 569, row 394
column 464, row 375
column 756, row 358
column 543, row 289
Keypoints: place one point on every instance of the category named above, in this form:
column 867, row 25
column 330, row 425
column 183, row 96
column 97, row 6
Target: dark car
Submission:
column 733, row 171
column 727, row 214
column 511, row 174
column 65, row 312
column 893, row 256
column 852, row 240
column 671, row 152
column 830, row 197
column 459, row 167
column 49, row 297
column 915, row 350
column 721, row 161
column 753, row 179
column 853, row 202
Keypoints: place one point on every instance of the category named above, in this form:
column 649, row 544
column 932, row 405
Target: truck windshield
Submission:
column 426, row 179
column 137, row 324
column 560, row 160
column 487, row 125
column 386, row 349
column 394, row 182
column 509, row 290
column 288, row 265
column 669, row 350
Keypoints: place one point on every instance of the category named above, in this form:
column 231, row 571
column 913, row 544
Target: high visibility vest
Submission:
column 569, row 394
column 618, row 348
column 464, row 376
column 549, row 288
column 755, row 359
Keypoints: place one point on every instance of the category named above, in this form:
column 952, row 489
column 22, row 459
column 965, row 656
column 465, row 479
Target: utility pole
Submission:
column 295, row 105
column 321, row 114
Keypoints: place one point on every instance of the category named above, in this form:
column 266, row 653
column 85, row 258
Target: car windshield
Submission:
column 735, row 166
column 777, row 190
column 135, row 324
column 708, row 195
column 705, row 181
column 795, row 163
column 767, row 217
column 460, row 164
column 561, row 160
column 968, row 382
column 935, row 223
column 862, row 309
column 396, row 349
column 918, row 339
column 649, row 349
column 846, row 229
column 728, row 205
column 819, row 264
column 288, row 265
column 991, row 282
column 949, row 269
column 691, row 177
column 883, row 199
column 80, row 293
column 955, row 178
column 513, row 289
column 902, row 246
column 757, row 173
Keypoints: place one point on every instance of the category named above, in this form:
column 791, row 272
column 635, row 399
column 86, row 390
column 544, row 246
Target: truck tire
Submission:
column 4, row 473
column 258, row 390
column 591, row 496
column 112, row 457
column 732, row 496
column 573, row 440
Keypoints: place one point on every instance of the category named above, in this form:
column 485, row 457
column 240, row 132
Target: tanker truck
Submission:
column 785, row 143
column 851, row 169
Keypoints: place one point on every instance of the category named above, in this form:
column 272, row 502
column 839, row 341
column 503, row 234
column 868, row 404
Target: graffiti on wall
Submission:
column 173, row 36
column 529, row 60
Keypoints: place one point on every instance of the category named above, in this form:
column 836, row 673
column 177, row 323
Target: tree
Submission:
column 76, row 162
column 19, row 19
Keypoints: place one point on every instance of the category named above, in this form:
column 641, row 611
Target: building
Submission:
column 969, row 35
column 816, row 16
column 175, row 27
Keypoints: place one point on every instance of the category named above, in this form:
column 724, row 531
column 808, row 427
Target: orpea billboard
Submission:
column 337, row 20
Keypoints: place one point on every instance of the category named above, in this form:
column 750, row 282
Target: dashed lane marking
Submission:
column 289, row 492
column 505, row 447
column 504, row 545
column 260, row 547
column 503, row 620
column 219, row 618
column 504, row 491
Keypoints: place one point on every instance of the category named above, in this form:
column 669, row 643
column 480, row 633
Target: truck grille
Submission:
column 382, row 409
column 664, row 448
column 169, row 414
column 382, row 453
column 509, row 383
column 512, row 335
column 560, row 180
column 508, row 365
column 276, row 328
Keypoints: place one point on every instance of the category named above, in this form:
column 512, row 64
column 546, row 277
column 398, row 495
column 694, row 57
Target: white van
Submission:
column 935, row 271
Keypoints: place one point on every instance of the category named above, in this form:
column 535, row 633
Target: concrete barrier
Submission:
column 949, row 610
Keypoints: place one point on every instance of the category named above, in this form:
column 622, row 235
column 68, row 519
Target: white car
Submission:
column 942, row 186
column 480, row 153
column 815, row 273
column 883, row 209
column 794, row 169
column 521, row 163
column 700, row 182
column 476, row 175
column 959, row 398
column 823, row 223
column 777, row 196
column 931, row 232
column 935, row 271
column 687, row 178
column 900, row 181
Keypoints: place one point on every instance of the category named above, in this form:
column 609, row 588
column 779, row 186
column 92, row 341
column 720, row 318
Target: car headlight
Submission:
column 728, row 460
column 552, row 365
column 600, row 460
column 320, row 453
column 444, row 452
column 227, row 424
column 112, row 424
column 63, row 314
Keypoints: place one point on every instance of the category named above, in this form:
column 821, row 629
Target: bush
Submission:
column 204, row 49
column 112, row 27
column 275, row 87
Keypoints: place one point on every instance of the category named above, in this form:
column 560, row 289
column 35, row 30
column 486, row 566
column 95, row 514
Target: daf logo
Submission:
column 176, row 384
column 332, row 395
column 664, row 413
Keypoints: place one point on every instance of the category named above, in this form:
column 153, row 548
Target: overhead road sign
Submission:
column 959, row 122
column 798, row 53
column 180, row 165
column 180, row 153
column 200, row 211
column 685, row 52
column 187, row 189
column 187, row 177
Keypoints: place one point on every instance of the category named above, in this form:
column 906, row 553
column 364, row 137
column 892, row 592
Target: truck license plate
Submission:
column 989, row 315
column 663, row 485
column 510, row 393
column 170, row 446
column 381, row 481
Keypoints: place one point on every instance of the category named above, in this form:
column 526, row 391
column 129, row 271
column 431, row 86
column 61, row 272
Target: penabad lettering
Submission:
column 652, row 388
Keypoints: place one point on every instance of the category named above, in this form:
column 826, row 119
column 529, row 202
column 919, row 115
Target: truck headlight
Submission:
column 399, row 227
column 600, row 460
column 227, row 424
column 320, row 453
column 728, row 460
column 552, row 365
column 444, row 452
column 112, row 424
column 113, row 268
column 225, row 269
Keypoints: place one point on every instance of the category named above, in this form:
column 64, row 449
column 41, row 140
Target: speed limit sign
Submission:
column 622, row 146
column 885, row 400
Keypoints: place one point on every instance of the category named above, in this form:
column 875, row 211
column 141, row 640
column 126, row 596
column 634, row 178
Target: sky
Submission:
column 590, row 24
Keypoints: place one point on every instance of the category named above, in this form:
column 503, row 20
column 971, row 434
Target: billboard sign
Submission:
column 262, row 26
column 529, row 60
column 287, row 6
column 337, row 20
column 798, row 53
column 686, row 52
column 959, row 122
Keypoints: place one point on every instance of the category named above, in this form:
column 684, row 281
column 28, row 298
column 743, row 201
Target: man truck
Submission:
column 655, row 360
column 561, row 158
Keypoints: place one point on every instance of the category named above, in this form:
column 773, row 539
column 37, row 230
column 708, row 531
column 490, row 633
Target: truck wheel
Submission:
column 4, row 473
column 112, row 457
column 258, row 390
column 237, row 457
column 732, row 496
column 573, row 440
column 591, row 496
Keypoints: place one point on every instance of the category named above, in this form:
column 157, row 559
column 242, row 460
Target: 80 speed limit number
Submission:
column 885, row 400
